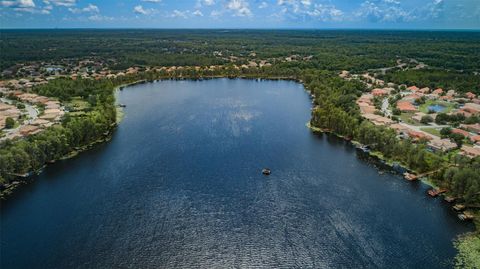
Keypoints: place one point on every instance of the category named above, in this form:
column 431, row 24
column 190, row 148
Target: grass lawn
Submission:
column 448, row 106
column 77, row 104
column 432, row 131
column 407, row 118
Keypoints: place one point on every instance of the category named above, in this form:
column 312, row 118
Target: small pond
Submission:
column 436, row 108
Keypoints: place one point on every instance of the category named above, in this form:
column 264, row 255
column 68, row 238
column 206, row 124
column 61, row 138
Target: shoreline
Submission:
column 4, row 194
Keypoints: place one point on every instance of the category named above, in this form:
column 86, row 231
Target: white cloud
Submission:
column 392, row 2
column 64, row 3
column 326, row 13
column 215, row 14
column 201, row 3
column 434, row 9
column 18, row 4
column 140, row 10
column 179, row 14
column 386, row 11
column 152, row 1
column 197, row 13
column 239, row 8
column 208, row 2
column 306, row 9
column 98, row 17
column 263, row 5
column 25, row 6
column 88, row 9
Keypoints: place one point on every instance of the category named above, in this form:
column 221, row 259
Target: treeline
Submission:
column 331, row 50
column 450, row 80
column 23, row 156
column 336, row 111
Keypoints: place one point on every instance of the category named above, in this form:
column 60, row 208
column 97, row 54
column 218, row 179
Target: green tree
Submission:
column 9, row 123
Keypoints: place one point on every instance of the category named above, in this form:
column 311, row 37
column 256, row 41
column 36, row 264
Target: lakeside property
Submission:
column 412, row 112
column 402, row 138
column 197, row 184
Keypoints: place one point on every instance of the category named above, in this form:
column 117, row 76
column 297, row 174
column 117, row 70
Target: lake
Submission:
column 180, row 186
column 436, row 108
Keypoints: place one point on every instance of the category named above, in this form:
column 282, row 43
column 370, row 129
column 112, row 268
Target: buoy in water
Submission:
column 266, row 171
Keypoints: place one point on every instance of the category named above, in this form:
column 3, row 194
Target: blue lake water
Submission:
column 180, row 186
column 436, row 108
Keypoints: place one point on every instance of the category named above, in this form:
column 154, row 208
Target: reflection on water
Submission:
column 180, row 186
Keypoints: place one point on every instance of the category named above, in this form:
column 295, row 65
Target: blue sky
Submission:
column 399, row 14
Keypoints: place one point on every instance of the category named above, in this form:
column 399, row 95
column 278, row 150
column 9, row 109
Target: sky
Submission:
column 285, row 14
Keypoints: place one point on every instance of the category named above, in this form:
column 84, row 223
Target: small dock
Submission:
column 465, row 216
column 449, row 199
column 410, row 177
column 413, row 177
column 436, row 192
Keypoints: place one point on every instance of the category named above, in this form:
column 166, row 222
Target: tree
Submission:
column 9, row 123
column 457, row 138
column 426, row 119
column 445, row 132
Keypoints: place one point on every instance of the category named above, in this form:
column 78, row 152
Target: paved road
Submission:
column 418, row 128
column 385, row 109
column 32, row 113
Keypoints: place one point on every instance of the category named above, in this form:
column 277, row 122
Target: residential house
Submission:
column 406, row 106
column 470, row 152
column 441, row 145
column 475, row 128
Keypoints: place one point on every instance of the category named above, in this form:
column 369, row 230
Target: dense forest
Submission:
column 357, row 51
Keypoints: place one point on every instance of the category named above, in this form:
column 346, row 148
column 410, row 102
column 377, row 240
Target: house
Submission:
column 470, row 152
column 4, row 107
column 379, row 92
column 29, row 130
column 475, row 139
column 424, row 90
column 471, row 127
column 438, row 91
column 406, row 106
column 472, row 108
column 461, row 132
column 412, row 97
column 377, row 119
column 382, row 121
column 344, row 74
column 366, row 108
column 470, row 95
column 399, row 128
column 441, row 145
column 415, row 135
column 413, row 88
column 446, row 98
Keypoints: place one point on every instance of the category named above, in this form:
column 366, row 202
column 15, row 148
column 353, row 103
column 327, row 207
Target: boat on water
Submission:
column 459, row 207
column 266, row 171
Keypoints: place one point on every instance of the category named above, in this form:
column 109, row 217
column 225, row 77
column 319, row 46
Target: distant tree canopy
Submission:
column 332, row 50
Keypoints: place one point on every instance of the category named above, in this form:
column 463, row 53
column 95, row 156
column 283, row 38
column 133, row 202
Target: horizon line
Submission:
column 246, row 28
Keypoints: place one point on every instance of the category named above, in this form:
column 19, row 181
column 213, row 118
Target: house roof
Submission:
column 460, row 131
